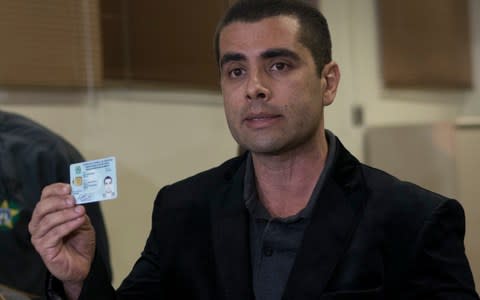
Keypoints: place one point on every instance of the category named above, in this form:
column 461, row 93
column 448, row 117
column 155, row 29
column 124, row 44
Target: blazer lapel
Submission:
column 334, row 220
column 230, row 238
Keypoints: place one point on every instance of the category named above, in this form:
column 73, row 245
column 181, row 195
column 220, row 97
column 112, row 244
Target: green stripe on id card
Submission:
column 94, row 180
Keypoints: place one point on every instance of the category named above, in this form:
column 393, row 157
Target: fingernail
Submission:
column 78, row 209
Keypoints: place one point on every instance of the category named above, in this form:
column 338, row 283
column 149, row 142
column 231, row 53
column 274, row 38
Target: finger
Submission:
column 47, row 245
column 56, row 189
column 50, row 204
column 50, row 221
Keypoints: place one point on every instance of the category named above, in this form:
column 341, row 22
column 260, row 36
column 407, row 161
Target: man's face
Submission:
column 108, row 185
column 273, row 96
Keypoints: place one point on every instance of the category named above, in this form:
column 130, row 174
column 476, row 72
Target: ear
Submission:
column 331, row 75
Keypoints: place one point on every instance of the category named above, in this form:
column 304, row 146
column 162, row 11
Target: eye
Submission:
column 235, row 73
column 279, row 66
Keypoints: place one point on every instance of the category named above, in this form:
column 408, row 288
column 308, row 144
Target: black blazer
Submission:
column 371, row 237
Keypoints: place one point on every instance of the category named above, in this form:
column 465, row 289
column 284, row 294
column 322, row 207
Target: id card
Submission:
column 94, row 180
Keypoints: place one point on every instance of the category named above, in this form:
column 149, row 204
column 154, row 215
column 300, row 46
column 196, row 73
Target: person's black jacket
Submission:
column 31, row 157
column 371, row 237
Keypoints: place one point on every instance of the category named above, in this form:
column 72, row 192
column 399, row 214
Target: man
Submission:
column 296, row 217
column 31, row 157
column 108, row 187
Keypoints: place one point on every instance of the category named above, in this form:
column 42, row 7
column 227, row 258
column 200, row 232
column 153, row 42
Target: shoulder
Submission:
column 385, row 195
column 386, row 188
column 221, row 173
column 196, row 188
column 406, row 217
column 24, row 136
column 32, row 156
column 406, row 211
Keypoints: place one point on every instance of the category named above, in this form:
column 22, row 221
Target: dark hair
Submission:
column 314, row 33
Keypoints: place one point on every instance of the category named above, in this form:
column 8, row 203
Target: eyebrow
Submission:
column 269, row 53
column 280, row 52
column 228, row 57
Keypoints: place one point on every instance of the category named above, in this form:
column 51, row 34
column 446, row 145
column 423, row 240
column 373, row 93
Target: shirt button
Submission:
column 267, row 251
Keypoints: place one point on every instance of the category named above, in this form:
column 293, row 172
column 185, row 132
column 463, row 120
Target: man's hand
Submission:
column 63, row 236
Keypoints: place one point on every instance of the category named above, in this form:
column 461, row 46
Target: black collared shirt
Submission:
column 274, row 241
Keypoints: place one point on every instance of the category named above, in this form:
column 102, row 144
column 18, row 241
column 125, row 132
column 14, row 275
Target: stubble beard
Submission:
column 278, row 143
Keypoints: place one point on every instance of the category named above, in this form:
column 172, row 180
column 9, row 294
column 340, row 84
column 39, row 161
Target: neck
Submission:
column 285, row 181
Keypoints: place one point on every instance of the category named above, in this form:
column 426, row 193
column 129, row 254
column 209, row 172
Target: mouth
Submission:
column 257, row 121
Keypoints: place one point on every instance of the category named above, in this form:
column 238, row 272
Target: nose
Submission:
column 257, row 88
